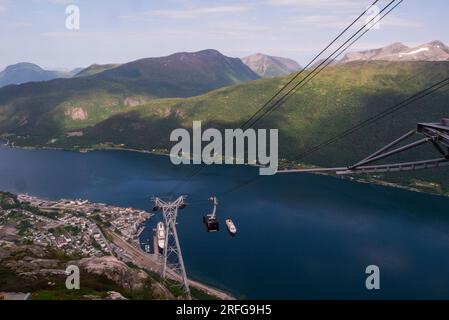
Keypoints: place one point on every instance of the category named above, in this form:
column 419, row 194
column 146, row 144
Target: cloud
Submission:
column 319, row 21
column 3, row 5
column 63, row 2
column 57, row 2
column 314, row 3
column 341, row 21
column 193, row 13
column 21, row 24
column 400, row 22
column 69, row 34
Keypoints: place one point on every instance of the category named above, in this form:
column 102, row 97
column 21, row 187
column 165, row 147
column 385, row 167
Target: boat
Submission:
column 146, row 246
column 231, row 226
column 160, row 235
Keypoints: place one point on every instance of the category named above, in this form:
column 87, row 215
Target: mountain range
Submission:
column 137, row 104
column 268, row 66
column 90, row 98
column 263, row 65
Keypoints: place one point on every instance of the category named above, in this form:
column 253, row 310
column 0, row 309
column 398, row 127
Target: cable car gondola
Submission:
column 210, row 220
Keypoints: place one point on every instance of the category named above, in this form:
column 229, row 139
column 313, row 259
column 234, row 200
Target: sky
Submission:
column 118, row 31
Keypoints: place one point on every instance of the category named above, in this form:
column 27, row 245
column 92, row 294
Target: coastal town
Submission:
column 75, row 227
column 97, row 235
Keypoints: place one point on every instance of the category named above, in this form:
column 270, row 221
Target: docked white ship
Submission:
column 160, row 235
column 231, row 226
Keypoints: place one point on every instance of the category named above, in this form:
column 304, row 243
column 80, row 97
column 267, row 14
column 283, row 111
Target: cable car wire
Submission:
column 418, row 96
column 328, row 60
column 368, row 25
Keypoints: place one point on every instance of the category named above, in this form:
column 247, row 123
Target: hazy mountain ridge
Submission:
column 24, row 72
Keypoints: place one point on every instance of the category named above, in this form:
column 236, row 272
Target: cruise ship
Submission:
column 231, row 226
column 160, row 235
column 147, row 247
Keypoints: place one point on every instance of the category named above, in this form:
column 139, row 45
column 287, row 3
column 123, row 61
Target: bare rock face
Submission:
column 27, row 253
column 170, row 112
column 30, row 267
column 133, row 101
column 114, row 270
column 112, row 295
column 8, row 234
column 76, row 113
column 28, row 260
column 375, row 54
column 4, row 253
column 269, row 66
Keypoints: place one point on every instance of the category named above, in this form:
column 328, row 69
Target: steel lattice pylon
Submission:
column 173, row 261
column 435, row 133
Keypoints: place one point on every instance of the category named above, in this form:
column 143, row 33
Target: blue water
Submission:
column 299, row 235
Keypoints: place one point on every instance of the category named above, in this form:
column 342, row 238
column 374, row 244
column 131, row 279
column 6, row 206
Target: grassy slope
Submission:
column 94, row 69
column 340, row 97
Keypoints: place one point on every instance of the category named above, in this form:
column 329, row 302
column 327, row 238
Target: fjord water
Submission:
column 299, row 235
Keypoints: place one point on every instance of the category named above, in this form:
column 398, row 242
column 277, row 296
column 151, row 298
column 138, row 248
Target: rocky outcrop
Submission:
column 76, row 113
column 115, row 270
column 133, row 101
column 112, row 295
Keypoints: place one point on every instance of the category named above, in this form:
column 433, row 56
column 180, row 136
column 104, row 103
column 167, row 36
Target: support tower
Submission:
column 173, row 261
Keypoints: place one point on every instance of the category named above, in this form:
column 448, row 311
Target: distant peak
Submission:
column 205, row 52
column 257, row 55
column 210, row 51
column 270, row 66
column 436, row 43
column 397, row 45
column 22, row 65
column 25, row 64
